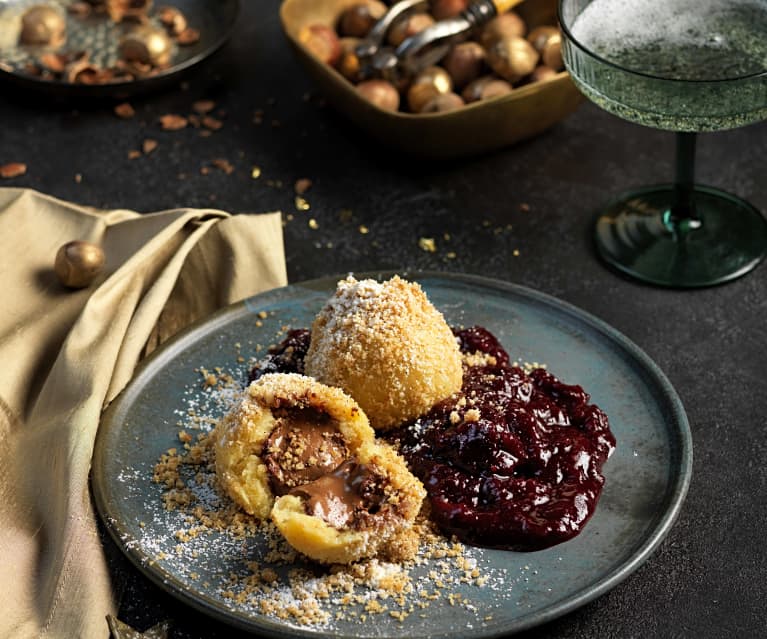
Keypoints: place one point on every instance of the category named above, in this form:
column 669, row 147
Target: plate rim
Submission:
column 676, row 488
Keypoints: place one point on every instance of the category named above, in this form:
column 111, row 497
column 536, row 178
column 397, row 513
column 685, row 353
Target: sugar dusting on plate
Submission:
column 195, row 533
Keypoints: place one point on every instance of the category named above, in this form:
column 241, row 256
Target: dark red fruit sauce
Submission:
column 514, row 461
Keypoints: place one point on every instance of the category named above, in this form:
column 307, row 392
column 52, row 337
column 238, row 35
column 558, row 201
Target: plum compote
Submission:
column 514, row 461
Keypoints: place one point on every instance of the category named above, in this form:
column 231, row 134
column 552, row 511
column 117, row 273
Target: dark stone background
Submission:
column 707, row 579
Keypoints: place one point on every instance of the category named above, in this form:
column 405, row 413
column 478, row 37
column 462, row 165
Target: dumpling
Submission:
column 303, row 453
column 388, row 347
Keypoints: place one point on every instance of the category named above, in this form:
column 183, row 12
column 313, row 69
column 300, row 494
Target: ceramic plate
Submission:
column 646, row 478
column 98, row 35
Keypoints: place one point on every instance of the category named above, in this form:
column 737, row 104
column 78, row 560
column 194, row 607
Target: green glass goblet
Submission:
column 685, row 66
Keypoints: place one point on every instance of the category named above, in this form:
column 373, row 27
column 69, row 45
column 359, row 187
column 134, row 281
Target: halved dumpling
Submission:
column 286, row 431
column 353, row 512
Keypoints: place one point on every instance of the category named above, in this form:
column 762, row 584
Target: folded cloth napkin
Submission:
column 66, row 354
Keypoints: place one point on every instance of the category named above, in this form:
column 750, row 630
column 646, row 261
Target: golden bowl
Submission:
column 474, row 128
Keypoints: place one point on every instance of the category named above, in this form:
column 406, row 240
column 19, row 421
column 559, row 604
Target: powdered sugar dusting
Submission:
column 196, row 536
column 200, row 543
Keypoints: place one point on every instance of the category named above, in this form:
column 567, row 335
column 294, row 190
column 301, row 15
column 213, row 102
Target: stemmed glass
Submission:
column 685, row 66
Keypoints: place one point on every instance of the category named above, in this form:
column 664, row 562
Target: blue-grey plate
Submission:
column 646, row 478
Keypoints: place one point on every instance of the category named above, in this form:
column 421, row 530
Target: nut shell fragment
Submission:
column 188, row 37
column 172, row 19
column 12, row 170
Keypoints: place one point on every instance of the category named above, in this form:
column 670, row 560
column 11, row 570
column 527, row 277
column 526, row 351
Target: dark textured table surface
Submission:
column 707, row 579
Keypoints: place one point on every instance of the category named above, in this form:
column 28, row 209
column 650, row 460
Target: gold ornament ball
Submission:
column 146, row 45
column 42, row 24
column 78, row 263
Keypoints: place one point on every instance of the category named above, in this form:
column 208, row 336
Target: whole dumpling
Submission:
column 388, row 347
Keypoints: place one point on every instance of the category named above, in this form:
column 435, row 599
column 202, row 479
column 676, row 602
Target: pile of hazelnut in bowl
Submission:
column 501, row 55
column 505, row 83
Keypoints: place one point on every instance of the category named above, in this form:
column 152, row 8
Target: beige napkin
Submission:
column 65, row 354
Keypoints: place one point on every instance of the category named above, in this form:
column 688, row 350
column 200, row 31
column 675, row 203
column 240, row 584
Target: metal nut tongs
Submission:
column 426, row 47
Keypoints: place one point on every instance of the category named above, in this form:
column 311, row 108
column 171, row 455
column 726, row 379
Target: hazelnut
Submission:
column 539, row 36
column 443, row 102
column 358, row 19
column 512, row 58
column 322, row 43
column 381, row 93
column 542, row 72
column 408, row 26
column 43, row 24
column 146, row 45
column 78, row 263
column 349, row 63
column 486, row 87
column 428, row 84
column 506, row 25
column 442, row 9
column 464, row 63
column 552, row 53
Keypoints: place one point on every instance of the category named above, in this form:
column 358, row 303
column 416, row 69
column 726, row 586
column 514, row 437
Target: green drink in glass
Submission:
column 684, row 66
